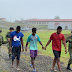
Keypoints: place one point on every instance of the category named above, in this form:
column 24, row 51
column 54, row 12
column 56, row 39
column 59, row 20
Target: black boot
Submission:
column 68, row 67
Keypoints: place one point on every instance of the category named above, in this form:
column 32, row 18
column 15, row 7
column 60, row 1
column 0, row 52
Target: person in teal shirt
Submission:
column 33, row 39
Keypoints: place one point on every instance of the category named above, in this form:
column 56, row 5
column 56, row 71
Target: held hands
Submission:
column 26, row 49
column 45, row 47
column 42, row 47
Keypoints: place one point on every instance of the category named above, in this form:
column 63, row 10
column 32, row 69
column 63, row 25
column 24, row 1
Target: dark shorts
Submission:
column 16, row 53
column 33, row 53
column 57, row 54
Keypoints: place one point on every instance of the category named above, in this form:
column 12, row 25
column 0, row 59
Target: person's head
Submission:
column 18, row 29
column 34, row 31
column 0, row 31
column 59, row 29
column 11, row 29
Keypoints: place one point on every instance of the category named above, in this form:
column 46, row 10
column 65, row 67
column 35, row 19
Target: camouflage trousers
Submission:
column 0, row 53
column 8, row 49
column 9, row 52
column 70, row 53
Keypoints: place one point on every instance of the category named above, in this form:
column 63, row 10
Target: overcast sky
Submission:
column 28, row 9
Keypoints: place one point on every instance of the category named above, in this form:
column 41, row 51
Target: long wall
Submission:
column 65, row 25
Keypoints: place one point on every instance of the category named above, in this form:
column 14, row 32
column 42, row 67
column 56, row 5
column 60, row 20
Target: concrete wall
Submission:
column 65, row 25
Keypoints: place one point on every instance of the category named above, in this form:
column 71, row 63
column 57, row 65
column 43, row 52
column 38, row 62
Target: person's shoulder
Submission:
column 13, row 32
column 8, row 32
column 62, row 34
column 53, row 33
column 30, row 35
column 37, row 35
column 20, row 32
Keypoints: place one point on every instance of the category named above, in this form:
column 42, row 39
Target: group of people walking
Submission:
column 15, row 43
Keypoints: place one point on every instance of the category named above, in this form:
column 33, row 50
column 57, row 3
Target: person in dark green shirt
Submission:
column 8, row 39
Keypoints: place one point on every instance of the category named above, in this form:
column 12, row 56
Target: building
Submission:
column 36, row 21
column 52, row 23
column 2, row 19
column 25, row 28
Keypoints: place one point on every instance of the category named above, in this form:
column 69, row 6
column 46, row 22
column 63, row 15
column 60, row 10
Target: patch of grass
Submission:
column 3, row 71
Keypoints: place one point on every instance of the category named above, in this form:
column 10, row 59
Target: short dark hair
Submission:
column 59, row 27
column 11, row 28
column 34, row 29
column 18, row 28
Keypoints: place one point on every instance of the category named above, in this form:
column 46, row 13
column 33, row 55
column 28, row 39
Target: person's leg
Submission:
column 33, row 56
column 0, row 53
column 17, row 63
column 18, row 56
column 70, row 61
column 54, row 62
column 9, row 52
column 13, row 55
column 58, row 61
column 59, row 65
column 55, row 58
column 32, row 62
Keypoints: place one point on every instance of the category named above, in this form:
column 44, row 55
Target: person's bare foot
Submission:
column 53, row 70
column 12, row 66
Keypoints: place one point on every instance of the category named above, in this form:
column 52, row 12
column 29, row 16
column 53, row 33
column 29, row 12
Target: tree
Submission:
column 57, row 17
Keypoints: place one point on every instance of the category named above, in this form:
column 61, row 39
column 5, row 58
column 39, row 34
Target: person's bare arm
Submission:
column 26, row 46
column 64, row 42
column 47, row 44
column 41, row 45
column 22, row 44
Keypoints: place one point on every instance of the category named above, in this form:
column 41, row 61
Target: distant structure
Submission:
column 52, row 23
column 25, row 28
column 2, row 19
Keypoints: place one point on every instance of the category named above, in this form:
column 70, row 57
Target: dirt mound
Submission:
column 42, row 63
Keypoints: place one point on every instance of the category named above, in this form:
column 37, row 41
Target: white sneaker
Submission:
column 18, row 69
column 31, row 65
